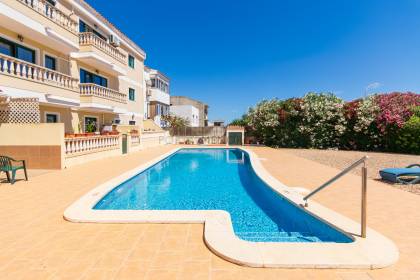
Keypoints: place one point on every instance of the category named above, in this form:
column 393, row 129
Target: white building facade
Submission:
column 157, row 95
column 188, row 112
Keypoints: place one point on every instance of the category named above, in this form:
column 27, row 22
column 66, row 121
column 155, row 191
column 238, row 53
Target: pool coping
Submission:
column 374, row 251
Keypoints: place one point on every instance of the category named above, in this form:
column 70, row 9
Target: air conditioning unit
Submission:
column 113, row 40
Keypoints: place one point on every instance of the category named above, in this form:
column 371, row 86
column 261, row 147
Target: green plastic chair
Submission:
column 8, row 164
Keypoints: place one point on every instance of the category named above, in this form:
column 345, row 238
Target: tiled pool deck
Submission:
column 36, row 243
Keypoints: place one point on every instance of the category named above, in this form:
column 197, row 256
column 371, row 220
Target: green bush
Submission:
column 323, row 121
column 382, row 122
column 409, row 135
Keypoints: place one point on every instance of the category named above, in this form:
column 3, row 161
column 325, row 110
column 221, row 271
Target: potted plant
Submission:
column 90, row 128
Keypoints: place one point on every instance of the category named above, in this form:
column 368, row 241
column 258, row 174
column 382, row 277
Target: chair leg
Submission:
column 415, row 181
column 13, row 176
column 7, row 176
column 24, row 169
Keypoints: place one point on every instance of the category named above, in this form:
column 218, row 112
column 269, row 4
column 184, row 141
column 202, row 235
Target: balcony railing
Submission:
column 54, row 14
column 102, row 92
column 21, row 69
column 135, row 140
column 89, row 38
column 85, row 145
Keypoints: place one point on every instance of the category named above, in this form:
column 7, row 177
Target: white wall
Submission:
column 146, row 79
column 188, row 112
column 160, row 96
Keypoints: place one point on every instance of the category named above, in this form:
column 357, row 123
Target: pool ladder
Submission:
column 364, row 189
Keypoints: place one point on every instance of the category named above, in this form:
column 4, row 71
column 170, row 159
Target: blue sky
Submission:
column 233, row 53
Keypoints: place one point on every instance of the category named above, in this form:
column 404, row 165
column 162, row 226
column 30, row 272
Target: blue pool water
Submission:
column 222, row 179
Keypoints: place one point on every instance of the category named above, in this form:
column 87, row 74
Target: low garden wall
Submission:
column 45, row 146
column 39, row 144
column 153, row 139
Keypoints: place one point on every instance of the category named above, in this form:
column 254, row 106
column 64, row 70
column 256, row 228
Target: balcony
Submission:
column 89, row 42
column 21, row 69
column 157, row 95
column 52, row 13
column 96, row 91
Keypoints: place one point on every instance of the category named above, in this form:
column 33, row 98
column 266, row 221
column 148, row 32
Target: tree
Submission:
column 175, row 121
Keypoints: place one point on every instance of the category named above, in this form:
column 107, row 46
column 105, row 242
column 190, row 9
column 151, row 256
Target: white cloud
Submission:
column 373, row 85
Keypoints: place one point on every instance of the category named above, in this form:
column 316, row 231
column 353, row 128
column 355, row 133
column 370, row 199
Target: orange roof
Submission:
column 235, row 127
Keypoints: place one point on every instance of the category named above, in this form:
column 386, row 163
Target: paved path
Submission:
column 36, row 243
column 376, row 162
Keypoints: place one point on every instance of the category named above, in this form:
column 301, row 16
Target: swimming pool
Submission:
column 220, row 179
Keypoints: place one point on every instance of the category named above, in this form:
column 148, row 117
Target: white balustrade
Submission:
column 135, row 140
column 91, row 144
column 19, row 68
column 88, row 89
column 53, row 13
column 89, row 38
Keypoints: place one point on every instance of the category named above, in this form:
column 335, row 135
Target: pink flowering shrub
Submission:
column 381, row 122
column 395, row 109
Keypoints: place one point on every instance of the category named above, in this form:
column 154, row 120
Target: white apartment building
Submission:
column 157, row 95
column 73, row 61
column 188, row 112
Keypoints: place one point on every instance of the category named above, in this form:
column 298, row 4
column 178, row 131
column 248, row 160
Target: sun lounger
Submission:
column 408, row 175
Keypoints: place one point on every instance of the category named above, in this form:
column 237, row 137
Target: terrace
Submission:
column 21, row 69
column 44, row 8
column 89, row 90
column 38, row 244
column 90, row 39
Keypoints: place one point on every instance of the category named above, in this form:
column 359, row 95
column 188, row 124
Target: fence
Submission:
column 153, row 139
column 85, row 145
column 199, row 135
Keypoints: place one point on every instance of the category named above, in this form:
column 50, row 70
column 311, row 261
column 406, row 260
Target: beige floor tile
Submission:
column 225, row 274
column 35, row 238
column 111, row 259
column 173, row 243
column 219, row 263
column 167, row 261
column 354, row 276
column 143, row 252
column 133, row 271
column 162, row 274
column 99, row 274
column 196, row 270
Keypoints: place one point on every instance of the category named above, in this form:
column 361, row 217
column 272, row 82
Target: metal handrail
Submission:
column 364, row 189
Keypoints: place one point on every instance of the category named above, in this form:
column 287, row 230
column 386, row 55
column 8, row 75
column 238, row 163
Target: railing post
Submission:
column 364, row 200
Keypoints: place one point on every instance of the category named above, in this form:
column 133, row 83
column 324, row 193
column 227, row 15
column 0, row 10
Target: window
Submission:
column 6, row 48
column 91, row 124
column 83, row 27
column 131, row 61
column 88, row 77
column 132, row 122
column 13, row 49
column 131, row 94
column 50, row 62
column 153, row 83
column 25, row 53
column 51, row 118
